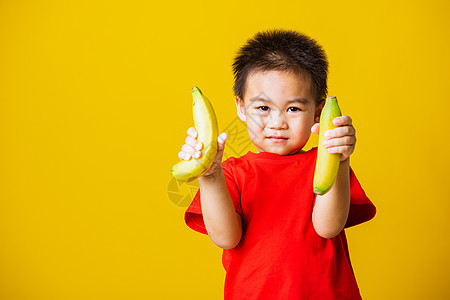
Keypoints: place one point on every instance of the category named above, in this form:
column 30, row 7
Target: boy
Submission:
column 280, row 240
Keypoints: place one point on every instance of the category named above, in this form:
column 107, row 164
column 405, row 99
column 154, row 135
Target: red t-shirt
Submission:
column 280, row 255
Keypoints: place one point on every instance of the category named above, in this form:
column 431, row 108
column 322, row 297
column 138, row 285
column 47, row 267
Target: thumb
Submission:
column 315, row 128
column 221, row 139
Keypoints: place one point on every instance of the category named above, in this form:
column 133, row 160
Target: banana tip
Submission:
column 318, row 191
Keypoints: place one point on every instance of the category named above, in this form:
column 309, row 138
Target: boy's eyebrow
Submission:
column 300, row 100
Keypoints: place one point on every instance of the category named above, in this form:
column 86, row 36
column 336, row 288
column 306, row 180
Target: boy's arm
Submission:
column 331, row 210
column 222, row 222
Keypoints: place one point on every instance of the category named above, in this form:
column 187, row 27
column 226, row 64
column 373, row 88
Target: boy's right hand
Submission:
column 192, row 147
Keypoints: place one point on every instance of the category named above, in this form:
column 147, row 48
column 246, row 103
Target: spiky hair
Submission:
column 282, row 50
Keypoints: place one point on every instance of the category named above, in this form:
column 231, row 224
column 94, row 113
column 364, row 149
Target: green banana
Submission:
column 327, row 164
column 205, row 123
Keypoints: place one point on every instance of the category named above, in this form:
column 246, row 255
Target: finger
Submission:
column 315, row 128
column 340, row 132
column 221, row 139
column 344, row 150
column 184, row 156
column 341, row 141
column 196, row 144
column 192, row 132
column 342, row 120
column 191, row 151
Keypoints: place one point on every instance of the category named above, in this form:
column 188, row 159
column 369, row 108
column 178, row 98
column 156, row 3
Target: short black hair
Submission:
column 282, row 50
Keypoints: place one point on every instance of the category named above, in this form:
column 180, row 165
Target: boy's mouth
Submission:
column 277, row 139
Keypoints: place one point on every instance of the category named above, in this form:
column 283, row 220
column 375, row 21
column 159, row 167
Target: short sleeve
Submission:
column 361, row 208
column 193, row 215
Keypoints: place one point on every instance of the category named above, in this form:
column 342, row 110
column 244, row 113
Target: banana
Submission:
column 205, row 123
column 327, row 164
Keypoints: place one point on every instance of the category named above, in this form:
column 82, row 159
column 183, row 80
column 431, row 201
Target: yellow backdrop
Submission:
column 94, row 104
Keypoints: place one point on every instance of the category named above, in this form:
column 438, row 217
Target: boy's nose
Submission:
column 277, row 121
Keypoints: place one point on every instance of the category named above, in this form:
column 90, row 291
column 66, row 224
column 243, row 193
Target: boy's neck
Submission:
column 298, row 152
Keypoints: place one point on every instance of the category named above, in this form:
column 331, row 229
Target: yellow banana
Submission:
column 327, row 164
column 205, row 123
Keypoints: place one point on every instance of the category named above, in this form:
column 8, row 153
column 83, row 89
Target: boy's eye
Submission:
column 293, row 109
column 263, row 108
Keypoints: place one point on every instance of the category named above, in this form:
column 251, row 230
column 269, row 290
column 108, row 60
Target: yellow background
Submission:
column 94, row 104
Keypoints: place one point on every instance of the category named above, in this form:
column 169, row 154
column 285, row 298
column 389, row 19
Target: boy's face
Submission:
column 279, row 109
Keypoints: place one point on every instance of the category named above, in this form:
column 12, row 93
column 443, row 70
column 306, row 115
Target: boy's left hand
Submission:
column 341, row 139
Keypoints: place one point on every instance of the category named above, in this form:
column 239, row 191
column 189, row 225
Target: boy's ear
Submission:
column 240, row 108
column 319, row 108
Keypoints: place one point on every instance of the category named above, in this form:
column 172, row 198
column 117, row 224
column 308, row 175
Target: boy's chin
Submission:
column 281, row 151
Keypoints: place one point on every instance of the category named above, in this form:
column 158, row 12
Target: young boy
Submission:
column 280, row 240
